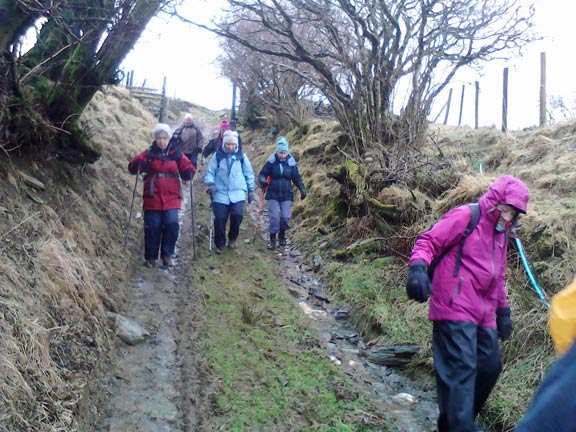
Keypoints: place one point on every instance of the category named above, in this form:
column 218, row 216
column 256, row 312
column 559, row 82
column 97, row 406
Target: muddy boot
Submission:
column 282, row 238
column 167, row 261
column 150, row 263
column 272, row 243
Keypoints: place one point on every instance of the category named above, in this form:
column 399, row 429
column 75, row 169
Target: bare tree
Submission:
column 78, row 49
column 270, row 93
column 379, row 63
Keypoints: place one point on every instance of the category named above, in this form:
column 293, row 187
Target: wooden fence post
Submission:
column 542, row 89
column 461, row 105
column 164, row 104
column 476, row 103
column 448, row 107
column 505, row 100
column 233, row 114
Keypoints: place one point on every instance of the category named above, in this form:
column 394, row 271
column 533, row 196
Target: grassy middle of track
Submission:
column 272, row 373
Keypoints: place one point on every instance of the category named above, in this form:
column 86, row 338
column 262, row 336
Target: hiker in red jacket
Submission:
column 162, row 195
column 468, row 306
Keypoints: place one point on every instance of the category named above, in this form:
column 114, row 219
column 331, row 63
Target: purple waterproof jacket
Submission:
column 478, row 289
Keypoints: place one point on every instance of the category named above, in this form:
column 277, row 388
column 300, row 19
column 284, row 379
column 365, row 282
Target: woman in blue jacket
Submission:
column 276, row 177
column 229, row 177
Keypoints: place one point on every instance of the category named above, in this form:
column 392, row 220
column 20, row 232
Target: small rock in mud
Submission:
column 404, row 399
column 128, row 330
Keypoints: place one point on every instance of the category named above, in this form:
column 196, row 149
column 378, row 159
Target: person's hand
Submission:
column 211, row 190
column 203, row 161
column 504, row 323
column 418, row 285
column 303, row 193
column 250, row 197
column 263, row 182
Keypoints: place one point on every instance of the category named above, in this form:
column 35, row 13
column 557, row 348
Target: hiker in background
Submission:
column 215, row 143
column 229, row 177
column 468, row 306
column 189, row 139
column 163, row 167
column 276, row 178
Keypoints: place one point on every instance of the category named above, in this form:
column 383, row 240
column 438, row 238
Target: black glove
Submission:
column 418, row 285
column 250, row 196
column 302, row 193
column 263, row 182
column 211, row 190
column 504, row 323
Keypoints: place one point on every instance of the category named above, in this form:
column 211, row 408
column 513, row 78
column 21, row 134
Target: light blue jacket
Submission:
column 231, row 177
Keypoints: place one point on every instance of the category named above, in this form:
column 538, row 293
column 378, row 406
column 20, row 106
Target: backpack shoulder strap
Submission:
column 239, row 156
column 474, row 218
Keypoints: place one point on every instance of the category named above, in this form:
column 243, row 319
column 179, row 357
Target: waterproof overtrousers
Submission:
column 467, row 365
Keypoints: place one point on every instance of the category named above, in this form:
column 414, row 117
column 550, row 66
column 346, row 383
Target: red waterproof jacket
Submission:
column 162, row 183
column 478, row 289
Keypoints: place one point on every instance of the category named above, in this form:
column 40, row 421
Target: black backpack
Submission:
column 475, row 209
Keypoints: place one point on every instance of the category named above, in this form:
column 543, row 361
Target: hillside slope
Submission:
column 63, row 265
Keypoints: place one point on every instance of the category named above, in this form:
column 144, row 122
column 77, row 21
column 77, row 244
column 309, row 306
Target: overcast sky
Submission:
column 186, row 57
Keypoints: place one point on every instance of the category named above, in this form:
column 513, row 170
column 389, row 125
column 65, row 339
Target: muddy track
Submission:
column 162, row 384
column 195, row 386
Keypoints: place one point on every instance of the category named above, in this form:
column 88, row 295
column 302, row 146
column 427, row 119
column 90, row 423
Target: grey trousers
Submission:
column 279, row 214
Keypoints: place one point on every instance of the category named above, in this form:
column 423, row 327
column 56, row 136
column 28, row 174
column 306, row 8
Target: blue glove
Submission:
column 302, row 193
column 418, row 285
column 211, row 190
column 250, row 196
column 504, row 323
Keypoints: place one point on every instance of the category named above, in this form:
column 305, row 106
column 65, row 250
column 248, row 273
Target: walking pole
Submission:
column 131, row 208
column 193, row 218
column 211, row 227
column 260, row 205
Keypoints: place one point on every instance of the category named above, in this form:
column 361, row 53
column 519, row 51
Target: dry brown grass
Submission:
column 59, row 264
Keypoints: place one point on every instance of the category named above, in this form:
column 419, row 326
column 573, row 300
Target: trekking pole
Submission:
column 531, row 277
column 260, row 205
column 211, row 228
column 193, row 218
column 131, row 209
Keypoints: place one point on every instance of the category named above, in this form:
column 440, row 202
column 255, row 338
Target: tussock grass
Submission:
column 60, row 264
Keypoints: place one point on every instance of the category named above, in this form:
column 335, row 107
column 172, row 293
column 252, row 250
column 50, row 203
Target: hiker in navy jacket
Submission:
column 468, row 301
column 229, row 177
column 276, row 178
column 553, row 408
column 162, row 195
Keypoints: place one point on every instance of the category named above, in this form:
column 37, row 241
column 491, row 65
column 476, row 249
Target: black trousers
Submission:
column 467, row 364
column 221, row 213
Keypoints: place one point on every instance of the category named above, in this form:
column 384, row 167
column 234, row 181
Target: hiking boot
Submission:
column 150, row 263
column 232, row 244
column 272, row 243
column 219, row 251
column 282, row 238
column 167, row 261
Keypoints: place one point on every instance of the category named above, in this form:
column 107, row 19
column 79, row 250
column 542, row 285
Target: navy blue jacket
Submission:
column 553, row 408
column 282, row 175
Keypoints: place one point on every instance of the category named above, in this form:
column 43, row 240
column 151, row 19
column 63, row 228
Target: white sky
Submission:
column 185, row 56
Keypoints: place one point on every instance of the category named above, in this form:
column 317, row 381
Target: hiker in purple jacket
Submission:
column 468, row 303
